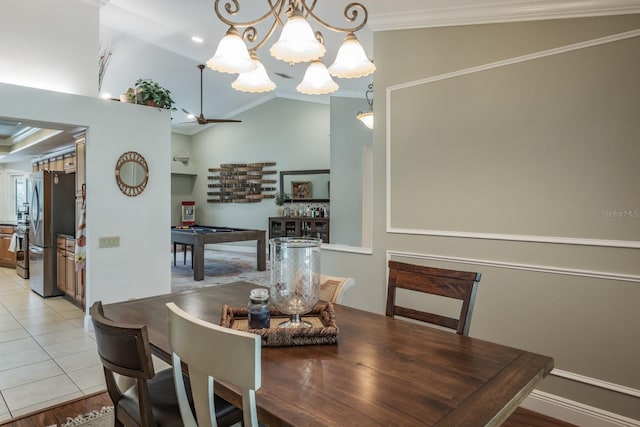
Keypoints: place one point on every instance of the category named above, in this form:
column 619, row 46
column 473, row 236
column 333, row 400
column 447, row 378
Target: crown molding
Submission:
column 518, row 10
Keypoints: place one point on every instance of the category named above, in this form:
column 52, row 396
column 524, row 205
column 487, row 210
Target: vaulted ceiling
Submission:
column 153, row 39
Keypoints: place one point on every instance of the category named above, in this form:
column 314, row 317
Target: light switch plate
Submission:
column 109, row 242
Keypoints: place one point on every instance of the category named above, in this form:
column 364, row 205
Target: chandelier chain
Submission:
column 352, row 12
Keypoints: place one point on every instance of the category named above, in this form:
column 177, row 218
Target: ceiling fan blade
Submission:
column 223, row 121
column 201, row 118
column 187, row 112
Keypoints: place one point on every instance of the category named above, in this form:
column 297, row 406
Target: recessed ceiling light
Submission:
column 105, row 95
column 197, row 39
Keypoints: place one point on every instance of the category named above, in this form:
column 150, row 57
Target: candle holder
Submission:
column 295, row 277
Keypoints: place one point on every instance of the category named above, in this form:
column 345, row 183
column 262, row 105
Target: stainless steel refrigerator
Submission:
column 52, row 210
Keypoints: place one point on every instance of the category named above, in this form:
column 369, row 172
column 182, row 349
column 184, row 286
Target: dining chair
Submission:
column 185, row 247
column 460, row 285
column 151, row 399
column 333, row 288
column 211, row 352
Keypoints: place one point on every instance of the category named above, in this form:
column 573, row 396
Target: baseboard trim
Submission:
column 575, row 412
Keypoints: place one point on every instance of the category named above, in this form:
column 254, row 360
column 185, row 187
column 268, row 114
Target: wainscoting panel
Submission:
column 511, row 291
column 487, row 156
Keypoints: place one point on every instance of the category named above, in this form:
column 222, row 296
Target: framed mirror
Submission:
column 132, row 173
column 306, row 185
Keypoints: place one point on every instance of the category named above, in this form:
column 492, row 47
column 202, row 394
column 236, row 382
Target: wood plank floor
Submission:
column 58, row 414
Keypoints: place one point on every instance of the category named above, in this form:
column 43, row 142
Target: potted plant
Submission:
column 148, row 92
column 280, row 199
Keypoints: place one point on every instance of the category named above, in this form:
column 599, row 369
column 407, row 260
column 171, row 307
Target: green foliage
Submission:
column 281, row 198
column 147, row 91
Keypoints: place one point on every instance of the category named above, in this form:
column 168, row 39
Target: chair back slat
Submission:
column 460, row 285
column 437, row 285
column 212, row 351
column 436, row 319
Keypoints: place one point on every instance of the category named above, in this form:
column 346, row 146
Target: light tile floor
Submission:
column 46, row 354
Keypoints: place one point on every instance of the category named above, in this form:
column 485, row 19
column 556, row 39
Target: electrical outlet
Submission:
column 109, row 242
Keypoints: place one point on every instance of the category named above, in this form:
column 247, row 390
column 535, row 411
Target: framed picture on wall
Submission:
column 301, row 189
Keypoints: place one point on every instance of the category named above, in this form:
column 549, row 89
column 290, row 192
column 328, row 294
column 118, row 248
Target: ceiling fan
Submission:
column 201, row 119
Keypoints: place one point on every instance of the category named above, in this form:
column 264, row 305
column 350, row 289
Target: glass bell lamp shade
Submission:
column 351, row 61
column 295, row 277
column 297, row 42
column 317, row 80
column 366, row 118
column 232, row 55
column 256, row 81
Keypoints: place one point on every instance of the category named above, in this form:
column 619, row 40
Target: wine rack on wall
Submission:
column 241, row 183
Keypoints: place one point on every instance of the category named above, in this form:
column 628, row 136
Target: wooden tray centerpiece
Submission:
column 323, row 330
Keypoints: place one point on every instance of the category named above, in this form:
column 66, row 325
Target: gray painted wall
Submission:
column 575, row 300
column 348, row 137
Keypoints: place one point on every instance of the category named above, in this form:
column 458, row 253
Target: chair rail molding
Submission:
column 492, row 65
column 604, row 275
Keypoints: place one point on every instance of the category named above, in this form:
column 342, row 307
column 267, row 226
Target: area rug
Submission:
column 220, row 267
column 101, row 418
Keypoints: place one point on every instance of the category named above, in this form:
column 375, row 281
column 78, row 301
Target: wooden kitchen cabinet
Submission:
column 61, row 266
column 80, row 163
column 70, row 163
column 7, row 258
column 70, row 267
column 80, row 287
column 70, row 281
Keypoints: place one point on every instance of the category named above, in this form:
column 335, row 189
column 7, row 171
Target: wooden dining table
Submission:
column 382, row 372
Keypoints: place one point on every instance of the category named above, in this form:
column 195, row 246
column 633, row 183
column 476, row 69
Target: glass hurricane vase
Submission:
column 295, row 277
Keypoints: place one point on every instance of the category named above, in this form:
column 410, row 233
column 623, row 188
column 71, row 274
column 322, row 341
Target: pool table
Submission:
column 199, row 235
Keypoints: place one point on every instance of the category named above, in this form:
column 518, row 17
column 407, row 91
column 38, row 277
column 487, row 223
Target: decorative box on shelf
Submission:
column 323, row 330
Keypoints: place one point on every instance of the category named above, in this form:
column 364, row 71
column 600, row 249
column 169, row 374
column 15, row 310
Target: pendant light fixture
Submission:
column 317, row 80
column 255, row 81
column 297, row 43
column 367, row 118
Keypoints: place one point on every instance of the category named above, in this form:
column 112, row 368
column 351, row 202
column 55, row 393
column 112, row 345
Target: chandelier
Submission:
column 238, row 53
column 367, row 118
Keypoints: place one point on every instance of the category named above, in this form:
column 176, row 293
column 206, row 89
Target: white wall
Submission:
column 140, row 266
column 50, row 45
column 54, row 45
column 348, row 138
